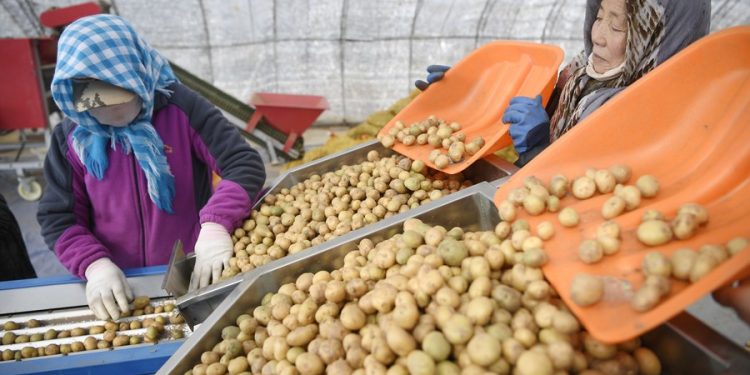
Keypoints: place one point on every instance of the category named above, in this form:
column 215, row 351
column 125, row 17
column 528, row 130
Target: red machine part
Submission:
column 59, row 17
column 21, row 94
column 291, row 114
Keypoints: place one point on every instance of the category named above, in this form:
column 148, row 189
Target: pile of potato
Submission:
column 436, row 133
column 324, row 207
column 536, row 197
column 110, row 337
column 427, row 301
column 685, row 265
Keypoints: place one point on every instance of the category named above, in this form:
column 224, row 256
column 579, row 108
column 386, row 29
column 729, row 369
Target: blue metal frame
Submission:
column 68, row 279
column 142, row 359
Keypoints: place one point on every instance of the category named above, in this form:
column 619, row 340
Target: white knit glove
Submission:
column 212, row 252
column 107, row 290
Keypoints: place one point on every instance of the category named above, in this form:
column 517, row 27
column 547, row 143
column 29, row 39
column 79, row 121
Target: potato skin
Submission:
column 654, row 232
column 586, row 290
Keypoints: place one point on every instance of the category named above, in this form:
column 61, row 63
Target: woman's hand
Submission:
column 107, row 289
column 736, row 297
column 212, row 252
column 435, row 73
column 529, row 122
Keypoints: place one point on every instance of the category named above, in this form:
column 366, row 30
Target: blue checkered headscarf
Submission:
column 107, row 48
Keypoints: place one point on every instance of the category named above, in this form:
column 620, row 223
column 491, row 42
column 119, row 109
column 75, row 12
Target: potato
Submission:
column 238, row 365
column 652, row 215
column 216, row 369
column 121, row 341
column 645, row 298
column 598, row 349
column 442, row 161
column 648, row 362
column 704, row 263
column 29, row 352
column 545, row 230
column 534, row 205
column 399, row 340
column 565, row 322
column 102, row 344
column 608, row 229
column 558, row 186
column 561, row 354
column 152, row 333
column 657, row 264
column 613, row 207
column 610, row 245
column 568, row 217
column 208, row 358
column 140, row 302
column 507, row 211
column 682, row 262
column 586, row 290
column 33, row 323
column 590, row 251
column 484, row 349
column 736, row 245
column 456, row 151
column 621, row 173
column 533, row 363
column 654, row 233
column 716, row 251
column 9, row 338
column 387, row 141
column 684, row 226
column 77, row 346
column 109, row 336
column 22, row 339
column 553, row 204
column 648, row 185
column 583, row 187
column 8, row 355
column 700, row 212
column 535, row 257
column 605, row 181
column 419, row 363
column 51, row 349
column 661, row 283
column 630, row 194
column 10, row 325
column 453, row 252
column 458, row 329
column 436, row 346
column 309, row 363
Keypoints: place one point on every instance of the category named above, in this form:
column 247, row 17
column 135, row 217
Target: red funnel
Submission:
column 290, row 114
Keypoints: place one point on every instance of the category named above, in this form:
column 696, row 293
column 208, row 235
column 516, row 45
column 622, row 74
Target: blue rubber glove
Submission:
column 435, row 73
column 529, row 122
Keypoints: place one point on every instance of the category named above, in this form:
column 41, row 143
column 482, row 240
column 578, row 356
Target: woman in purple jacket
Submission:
column 129, row 170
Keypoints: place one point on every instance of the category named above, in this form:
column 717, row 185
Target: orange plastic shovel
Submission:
column 476, row 91
column 687, row 124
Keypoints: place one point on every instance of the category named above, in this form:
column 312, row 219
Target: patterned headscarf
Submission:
column 107, row 48
column 657, row 29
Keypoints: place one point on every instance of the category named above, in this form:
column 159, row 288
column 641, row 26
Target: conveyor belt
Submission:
column 51, row 313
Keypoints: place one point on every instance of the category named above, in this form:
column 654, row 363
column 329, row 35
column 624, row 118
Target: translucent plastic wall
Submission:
column 361, row 55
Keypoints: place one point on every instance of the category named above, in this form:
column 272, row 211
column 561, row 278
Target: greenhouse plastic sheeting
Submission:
column 360, row 54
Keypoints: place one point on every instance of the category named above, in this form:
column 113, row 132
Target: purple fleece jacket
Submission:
column 84, row 219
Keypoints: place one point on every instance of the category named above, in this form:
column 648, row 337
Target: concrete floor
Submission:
column 46, row 264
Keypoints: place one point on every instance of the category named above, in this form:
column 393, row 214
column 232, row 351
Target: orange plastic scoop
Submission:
column 687, row 124
column 476, row 91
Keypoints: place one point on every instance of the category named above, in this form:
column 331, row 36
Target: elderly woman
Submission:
column 623, row 40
